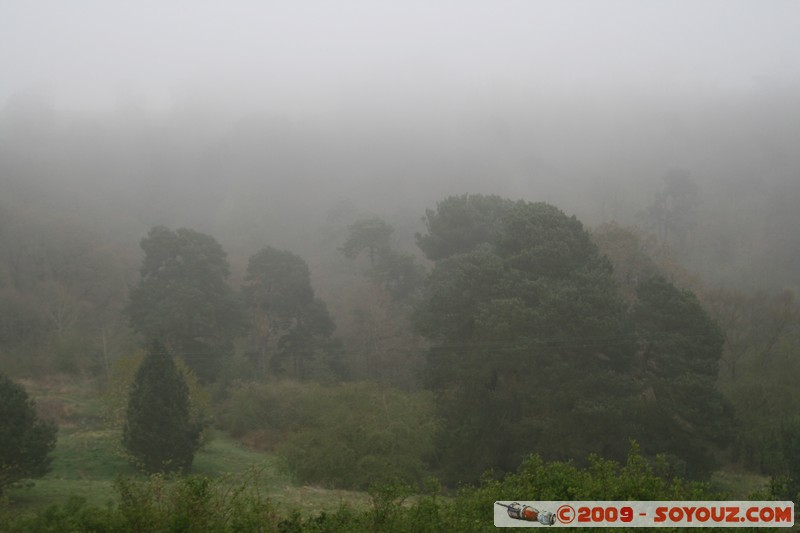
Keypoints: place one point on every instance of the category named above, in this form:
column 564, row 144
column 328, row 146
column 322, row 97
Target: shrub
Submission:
column 200, row 504
column 25, row 440
column 157, row 504
column 349, row 435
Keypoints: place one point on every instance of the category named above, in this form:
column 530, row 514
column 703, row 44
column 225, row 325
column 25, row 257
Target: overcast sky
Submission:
column 315, row 55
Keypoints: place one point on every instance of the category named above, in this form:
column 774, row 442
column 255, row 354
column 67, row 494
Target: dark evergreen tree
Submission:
column 460, row 223
column 184, row 299
column 678, row 363
column 293, row 328
column 25, row 440
column 530, row 337
column 159, row 433
column 535, row 349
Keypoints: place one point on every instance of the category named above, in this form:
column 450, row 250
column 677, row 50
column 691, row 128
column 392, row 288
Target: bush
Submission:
column 348, row 436
column 201, row 504
column 25, row 440
column 156, row 504
column 603, row 479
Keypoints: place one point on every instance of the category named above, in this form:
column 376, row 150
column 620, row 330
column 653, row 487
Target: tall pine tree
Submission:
column 183, row 298
column 534, row 348
column 530, row 339
column 159, row 432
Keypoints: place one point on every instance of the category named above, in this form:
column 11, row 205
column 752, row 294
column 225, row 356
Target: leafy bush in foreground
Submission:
column 158, row 504
column 200, row 504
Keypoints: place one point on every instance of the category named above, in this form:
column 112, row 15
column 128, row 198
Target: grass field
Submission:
column 88, row 460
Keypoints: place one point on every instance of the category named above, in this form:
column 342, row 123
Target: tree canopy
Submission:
column 679, row 352
column 293, row 327
column 183, row 298
column 395, row 271
column 535, row 349
column 460, row 223
column 370, row 235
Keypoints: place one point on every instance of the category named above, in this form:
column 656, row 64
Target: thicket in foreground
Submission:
column 25, row 440
column 159, row 432
column 198, row 503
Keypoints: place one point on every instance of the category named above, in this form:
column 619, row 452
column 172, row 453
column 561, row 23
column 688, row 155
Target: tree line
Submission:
column 530, row 334
column 532, row 344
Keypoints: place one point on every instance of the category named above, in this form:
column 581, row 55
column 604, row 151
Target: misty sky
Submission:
column 331, row 55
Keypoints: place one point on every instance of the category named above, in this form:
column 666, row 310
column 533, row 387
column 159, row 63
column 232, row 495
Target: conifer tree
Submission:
column 159, row 432
column 535, row 349
column 183, row 298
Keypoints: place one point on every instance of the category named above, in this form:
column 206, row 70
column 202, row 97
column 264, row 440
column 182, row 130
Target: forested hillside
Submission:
column 493, row 295
column 394, row 290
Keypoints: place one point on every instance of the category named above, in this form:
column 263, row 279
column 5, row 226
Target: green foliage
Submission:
column 535, row 348
column 279, row 284
column 182, row 297
column 679, row 333
column 514, row 318
column 269, row 411
column 192, row 504
column 540, row 240
column 460, row 223
column 370, row 235
column 790, row 447
column 629, row 253
column 74, row 515
column 25, row 440
column 198, row 503
column 348, row 435
column 601, row 479
column 293, row 329
column 159, row 432
column 158, row 505
column 685, row 414
column 396, row 272
column 760, row 370
column 123, row 376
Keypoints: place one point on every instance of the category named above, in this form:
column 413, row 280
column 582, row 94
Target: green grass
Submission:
column 85, row 463
column 225, row 457
column 88, row 459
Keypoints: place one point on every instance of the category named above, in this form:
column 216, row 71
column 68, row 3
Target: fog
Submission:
column 259, row 122
column 314, row 57
column 311, row 207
